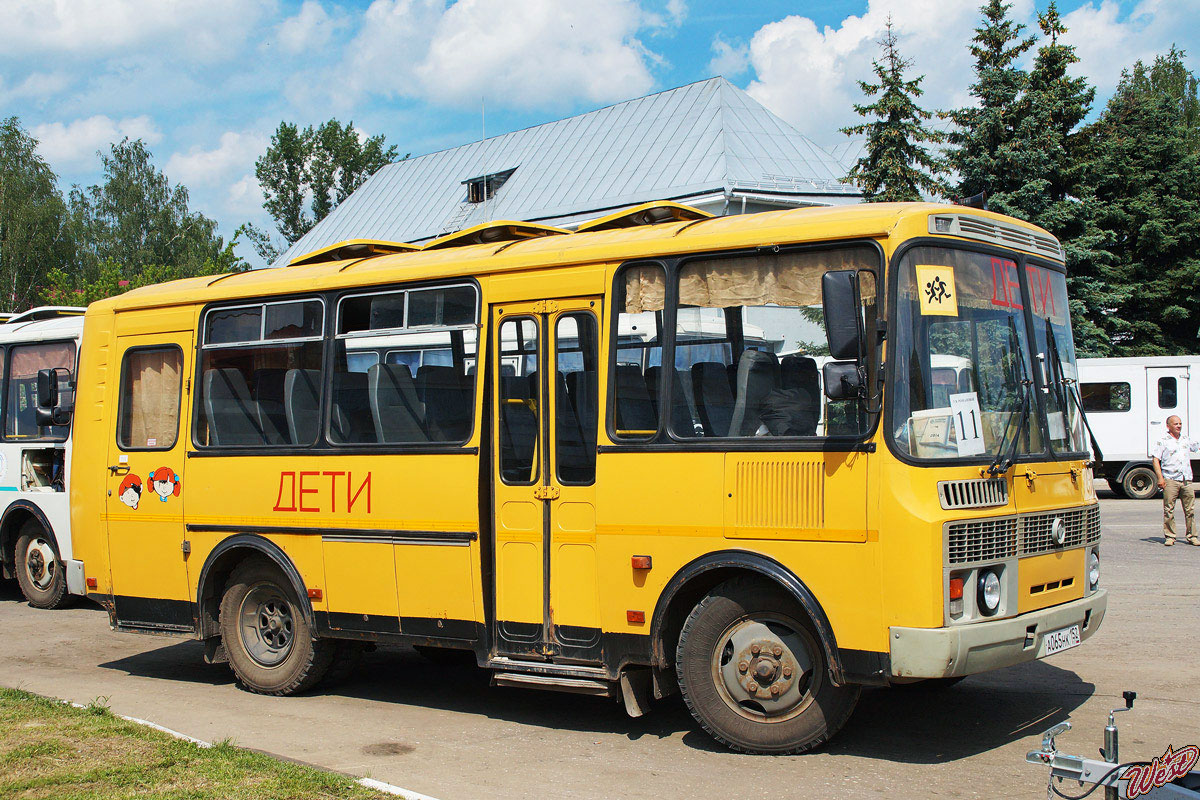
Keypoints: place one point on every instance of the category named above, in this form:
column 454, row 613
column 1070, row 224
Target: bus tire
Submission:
column 269, row 642
column 39, row 570
column 753, row 673
column 1140, row 483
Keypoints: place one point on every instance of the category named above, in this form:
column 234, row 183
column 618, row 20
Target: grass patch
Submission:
column 53, row 750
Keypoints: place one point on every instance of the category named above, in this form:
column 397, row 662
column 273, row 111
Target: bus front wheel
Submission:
column 754, row 675
column 270, row 644
column 39, row 569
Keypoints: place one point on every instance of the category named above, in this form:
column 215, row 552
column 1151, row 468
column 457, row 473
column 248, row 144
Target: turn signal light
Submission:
column 636, row 617
column 956, row 588
column 314, row 594
column 92, row 583
column 641, row 562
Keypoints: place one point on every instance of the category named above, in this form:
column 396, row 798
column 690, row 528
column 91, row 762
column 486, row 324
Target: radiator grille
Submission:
column 1026, row 535
column 973, row 493
column 1083, row 527
column 982, row 540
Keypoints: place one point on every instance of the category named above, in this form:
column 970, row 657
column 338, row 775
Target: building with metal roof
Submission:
column 707, row 144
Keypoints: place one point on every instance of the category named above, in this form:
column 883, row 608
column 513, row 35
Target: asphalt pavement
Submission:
column 442, row 731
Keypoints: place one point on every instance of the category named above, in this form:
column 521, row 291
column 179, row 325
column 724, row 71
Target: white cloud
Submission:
column 728, row 59
column 677, row 11
column 203, row 29
column 539, row 53
column 809, row 75
column 74, row 145
column 245, row 199
column 35, row 86
column 310, row 29
column 1107, row 41
column 235, row 154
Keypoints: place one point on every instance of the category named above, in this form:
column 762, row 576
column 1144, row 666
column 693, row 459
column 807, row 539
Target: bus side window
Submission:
column 24, row 363
column 148, row 416
column 640, row 297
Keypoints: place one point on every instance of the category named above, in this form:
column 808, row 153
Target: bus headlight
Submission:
column 989, row 592
column 1094, row 569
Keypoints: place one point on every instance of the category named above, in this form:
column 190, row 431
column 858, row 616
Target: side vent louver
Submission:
column 973, row 493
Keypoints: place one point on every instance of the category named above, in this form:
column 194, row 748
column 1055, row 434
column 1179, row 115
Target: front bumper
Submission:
column 967, row 649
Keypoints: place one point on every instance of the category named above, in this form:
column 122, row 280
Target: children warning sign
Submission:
column 939, row 296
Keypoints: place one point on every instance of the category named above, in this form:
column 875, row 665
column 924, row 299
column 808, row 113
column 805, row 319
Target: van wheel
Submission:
column 39, row 569
column 753, row 674
column 270, row 645
column 1140, row 483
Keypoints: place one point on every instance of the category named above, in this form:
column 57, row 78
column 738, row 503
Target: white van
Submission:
column 1127, row 401
column 35, row 457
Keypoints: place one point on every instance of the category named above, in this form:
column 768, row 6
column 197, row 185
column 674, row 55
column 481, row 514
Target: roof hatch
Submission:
column 352, row 248
column 494, row 232
column 652, row 213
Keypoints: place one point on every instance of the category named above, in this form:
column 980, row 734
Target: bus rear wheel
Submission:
column 270, row 644
column 39, row 569
column 753, row 674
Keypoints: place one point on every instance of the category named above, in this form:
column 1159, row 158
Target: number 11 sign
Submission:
column 968, row 427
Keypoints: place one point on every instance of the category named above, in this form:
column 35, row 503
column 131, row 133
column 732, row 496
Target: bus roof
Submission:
column 64, row 327
column 861, row 221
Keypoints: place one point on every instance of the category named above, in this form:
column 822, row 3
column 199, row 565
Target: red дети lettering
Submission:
column 305, row 491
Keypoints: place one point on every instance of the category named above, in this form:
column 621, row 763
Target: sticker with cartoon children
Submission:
column 165, row 483
column 131, row 491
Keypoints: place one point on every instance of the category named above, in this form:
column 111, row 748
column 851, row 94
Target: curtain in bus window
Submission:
column 150, row 399
column 27, row 360
column 783, row 279
column 638, row 352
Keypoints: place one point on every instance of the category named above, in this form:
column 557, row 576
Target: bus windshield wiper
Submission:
column 1003, row 461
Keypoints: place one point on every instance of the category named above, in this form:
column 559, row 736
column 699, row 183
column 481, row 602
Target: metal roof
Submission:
column 705, row 138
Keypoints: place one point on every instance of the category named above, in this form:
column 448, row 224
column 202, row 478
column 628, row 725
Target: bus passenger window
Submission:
column 641, row 293
column 518, row 405
column 575, row 353
column 260, row 366
column 25, row 361
column 748, row 333
column 148, row 416
column 400, row 367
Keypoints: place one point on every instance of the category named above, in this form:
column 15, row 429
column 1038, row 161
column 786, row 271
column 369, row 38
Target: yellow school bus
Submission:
column 762, row 460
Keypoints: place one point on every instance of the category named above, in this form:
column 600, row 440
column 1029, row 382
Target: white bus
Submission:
column 1127, row 401
column 35, row 455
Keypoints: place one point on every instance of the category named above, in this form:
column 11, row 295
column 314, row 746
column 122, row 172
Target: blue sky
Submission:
column 205, row 82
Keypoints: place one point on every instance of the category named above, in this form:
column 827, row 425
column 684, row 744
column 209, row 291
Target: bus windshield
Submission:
column 963, row 369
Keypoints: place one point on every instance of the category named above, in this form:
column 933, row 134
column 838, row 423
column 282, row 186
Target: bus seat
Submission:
column 395, row 409
column 518, row 430
column 268, row 397
column 302, row 404
column 575, row 462
column 681, row 413
column 714, row 399
column 351, row 418
column 232, row 418
column 582, row 388
column 447, row 407
column 758, row 376
column 635, row 412
column 799, row 377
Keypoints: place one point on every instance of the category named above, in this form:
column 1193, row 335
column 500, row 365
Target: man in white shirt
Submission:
column 1173, row 455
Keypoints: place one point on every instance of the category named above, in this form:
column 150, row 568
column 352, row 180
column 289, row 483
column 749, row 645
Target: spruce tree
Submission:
column 894, row 166
column 978, row 154
column 1141, row 180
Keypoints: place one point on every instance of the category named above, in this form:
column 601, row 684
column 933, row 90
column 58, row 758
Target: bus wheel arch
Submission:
column 693, row 582
column 219, row 566
column 26, row 534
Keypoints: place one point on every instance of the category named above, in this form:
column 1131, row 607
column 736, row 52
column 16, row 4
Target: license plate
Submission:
column 1061, row 639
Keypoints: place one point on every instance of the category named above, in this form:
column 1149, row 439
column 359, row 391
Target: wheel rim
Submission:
column 764, row 668
column 266, row 625
column 40, row 564
column 1139, row 483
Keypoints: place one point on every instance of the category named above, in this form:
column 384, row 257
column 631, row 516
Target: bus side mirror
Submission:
column 843, row 314
column 50, row 411
column 842, row 380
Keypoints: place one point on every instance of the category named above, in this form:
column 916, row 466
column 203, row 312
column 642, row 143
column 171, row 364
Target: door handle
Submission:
column 119, row 469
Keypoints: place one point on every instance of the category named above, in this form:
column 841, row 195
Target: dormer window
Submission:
column 485, row 186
